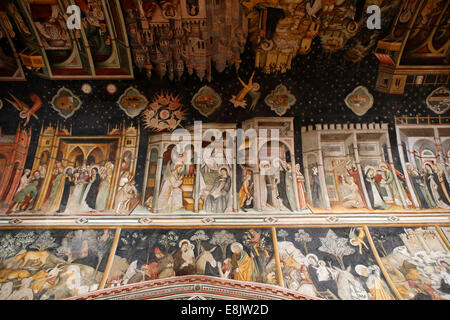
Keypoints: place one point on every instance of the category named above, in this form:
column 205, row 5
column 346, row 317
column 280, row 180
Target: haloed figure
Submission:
column 435, row 188
column 374, row 190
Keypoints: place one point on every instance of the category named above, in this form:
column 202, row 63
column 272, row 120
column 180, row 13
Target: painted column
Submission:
column 48, row 175
column 147, row 166
column 233, row 178
column 441, row 159
column 157, row 181
column 321, row 169
column 198, row 172
column 360, row 171
column 405, row 171
column 257, row 190
column 294, row 177
column 391, row 162
column 117, row 175
column 307, row 180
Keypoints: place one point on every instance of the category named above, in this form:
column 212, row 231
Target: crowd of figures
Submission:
column 277, row 189
column 311, row 268
column 47, row 265
column 429, row 185
column 279, row 192
column 416, row 260
column 142, row 257
column 85, row 188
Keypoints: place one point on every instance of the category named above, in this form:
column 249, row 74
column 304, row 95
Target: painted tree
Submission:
column 75, row 245
column 336, row 246
column 380, row 238
column 169, row 240
column 152, row 238
column 222, row 239
column 283, row 234
column 262, row 248
column 24, row 238
column 132, row 242
column 303, row 237
column 11, row 245
column 99, row 244
column 44, row 241
column 7, row 246
column 198, row 238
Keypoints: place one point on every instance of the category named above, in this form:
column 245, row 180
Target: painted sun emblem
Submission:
column 165, row 112
column 280, row 100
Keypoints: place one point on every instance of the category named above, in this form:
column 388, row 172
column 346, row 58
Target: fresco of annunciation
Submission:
column 336, row 263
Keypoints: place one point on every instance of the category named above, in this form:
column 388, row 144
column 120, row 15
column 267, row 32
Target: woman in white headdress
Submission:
column 24, row 180
column 373, row 189
column 73, row 203
column 103, row 194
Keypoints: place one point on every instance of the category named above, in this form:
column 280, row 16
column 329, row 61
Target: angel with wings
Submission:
column 25, row 111
column 252, row 89
column 358, row 240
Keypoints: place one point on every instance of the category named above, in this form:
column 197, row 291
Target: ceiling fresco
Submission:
column 212, row 149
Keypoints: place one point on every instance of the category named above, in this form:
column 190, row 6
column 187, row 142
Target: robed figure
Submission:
column 91, row 197
column 374, row 190
column 244, row 266
column 316, row 192
column 435, row 188
column 217, row 199
column 69, row 182
column 246, row 192
column 423, row 196
column 171, row 196
column 300, row 187
column 352, row 171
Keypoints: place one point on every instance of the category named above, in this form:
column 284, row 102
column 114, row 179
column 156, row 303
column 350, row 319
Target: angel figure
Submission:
column 358, row 240
column 250, row 88
column 25, row 111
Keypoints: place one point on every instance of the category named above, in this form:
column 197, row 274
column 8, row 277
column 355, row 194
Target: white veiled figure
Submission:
column 171, row 196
